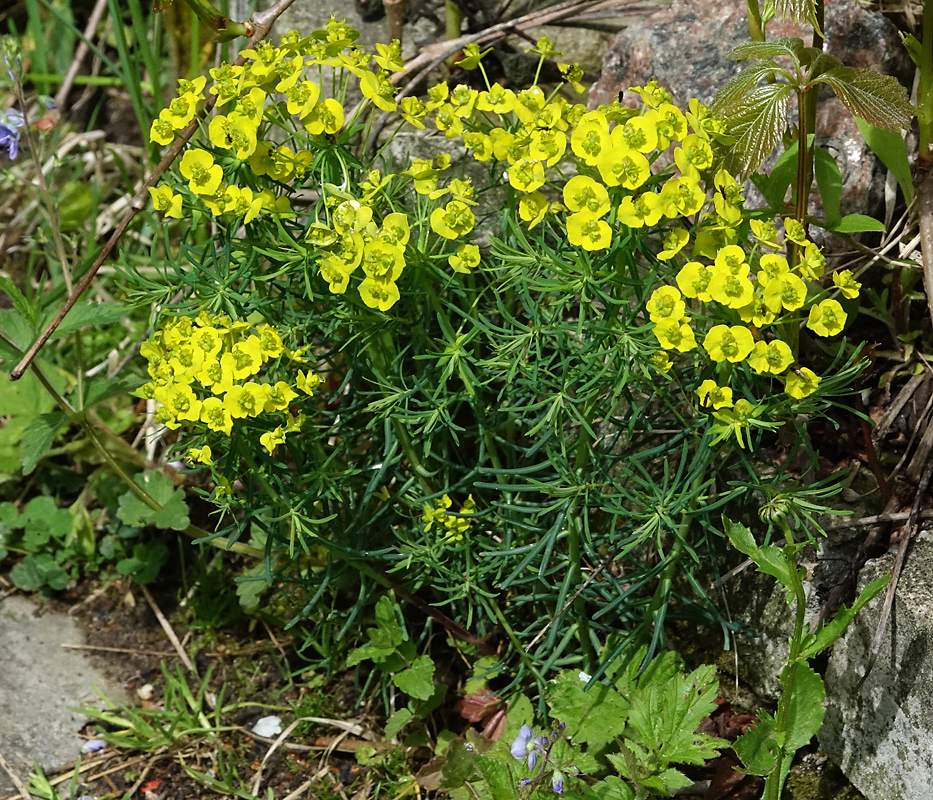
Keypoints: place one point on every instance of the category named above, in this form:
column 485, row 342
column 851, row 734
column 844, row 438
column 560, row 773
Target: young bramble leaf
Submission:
column 876, row 98
column 743, row 83
column 757, row 122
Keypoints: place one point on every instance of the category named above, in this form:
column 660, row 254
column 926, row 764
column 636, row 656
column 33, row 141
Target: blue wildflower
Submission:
column 11, row 125
column 557, row 783
column 520, row 745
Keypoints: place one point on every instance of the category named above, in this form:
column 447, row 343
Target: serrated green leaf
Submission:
column 397, row 721
column 796, row 10
column 20, row 303
column 757, row 748
column 418, row 680
column 787, row 46
column 499, row 779
column 741, row 85
column 913, row 47
column 757, row 122
column 610, row 788
column 829, row 182
column 38, row 438
column 367, row 652
column 388, row 620
column 804, row 694
column 876, row 98
column 173, row 513
column 15, row 327
column 592, row 716
column 857, row 223
column 891, row 149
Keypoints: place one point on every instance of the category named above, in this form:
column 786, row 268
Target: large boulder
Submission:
column 880, row 732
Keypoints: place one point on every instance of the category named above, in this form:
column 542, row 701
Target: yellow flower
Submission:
column 532, row 208
column 180, row 400
column 413, row 111
column 378, row 90
column 637, row 133
column 588, row 231
column 827, row 318
column 693, row 155
column 590, row 137
column 665, row 303
column 166, row 201
column 326, row 117
column 694, row 279
column 548, row 146
column 180, row 111
column 446, row 119
column 246, row 400
column 757, row 313
column 351, row 216
column 670, row 124
column 772, row 267
column 247, row 357
column 307, row 383
column 395, row 230
column 378, row 293
column 202, row 455
column 435, row 513
column 723, row 343
column 480, row 143
column 270, row 343
column 623, row 167
column 812, row 263
column 712, row 394
column 636, row 212
column 801, row 383
column 527, row 175
column 302, row 98
column 383, row 261
column 795, row 231
column 271, row 439
column 731, row 290
column 162, row 131
column 661, row 361
column 207, row 339
column 843, row 280
column 673, row 243
column 731, row 259
column 235, row 132
column 452, row 221
column 528, row 102
column 771, row 357
column 681, row 197
column 202, row 174
column 675, row 334
column 764, row 232
column 465, row 259
column 498, row 99
column 788, row 292
column 582, row 193
column 389, row 56
column 216, row 416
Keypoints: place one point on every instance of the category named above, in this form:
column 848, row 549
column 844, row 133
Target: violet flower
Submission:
column 11, row 125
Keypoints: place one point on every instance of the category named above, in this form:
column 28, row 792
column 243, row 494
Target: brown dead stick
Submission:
column 261, row 23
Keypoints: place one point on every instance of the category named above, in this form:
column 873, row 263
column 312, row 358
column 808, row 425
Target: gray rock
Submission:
column 880, row 734
column 40, row 680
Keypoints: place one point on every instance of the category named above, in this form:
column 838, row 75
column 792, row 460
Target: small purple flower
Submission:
column 532, row 759
column 524, row 781
column 93, row 745
column 11, row 123
column 520, row 745
column 557, row 783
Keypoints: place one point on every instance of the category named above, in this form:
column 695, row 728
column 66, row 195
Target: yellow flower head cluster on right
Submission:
column 454, row 526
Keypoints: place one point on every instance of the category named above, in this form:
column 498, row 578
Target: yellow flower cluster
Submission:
column 454, row 525
column 205, row 371
column 758, row 300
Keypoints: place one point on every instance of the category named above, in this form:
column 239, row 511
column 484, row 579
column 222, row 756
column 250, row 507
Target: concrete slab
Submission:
column 39, row 680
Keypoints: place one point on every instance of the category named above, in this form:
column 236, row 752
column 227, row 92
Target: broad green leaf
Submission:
column 891, row 149
column 367, row 652
column 418, row 680
column 173, row 513
column 88, row 314
column 757, row 748
column 38, row 438
column 592, row 716
column 397, row 721
column 250, row 587
column 610, row 788
column 520, row 712
column 15, row 327
column 787, row 46
column 876, row 98
column 856, row 223
column 499, row 779
column 145, row 563
column 774, row 186
column 913, row 47
column 34, row 572
column 804, row 695
column 20, row 303
column 101, row 389
column 388, row 618
column 757, row 122
column 741, row 85
column 829, row 182
column 460, row 765
column 75, row 205
column 815, row 643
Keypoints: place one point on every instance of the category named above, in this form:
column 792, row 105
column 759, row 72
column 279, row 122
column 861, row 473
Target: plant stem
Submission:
column 756, row 29
column 925, row 88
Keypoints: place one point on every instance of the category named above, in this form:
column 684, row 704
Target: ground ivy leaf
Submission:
column 173, row 514
column 611, row 788
column 418, row 680
column 595, row 716
column 396, row 722
column 37, row 439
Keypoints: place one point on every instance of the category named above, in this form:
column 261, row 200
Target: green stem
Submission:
column 756, row 28
column 225, row 27
column 925, row 88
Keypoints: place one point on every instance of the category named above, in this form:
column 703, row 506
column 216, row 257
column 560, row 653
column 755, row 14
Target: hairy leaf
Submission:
column 418, row 680
column 804, row 695
column 37, row 439
column 397, row 721
column 757, row 748
column 610, row 788
column 787, row 46
column 796, row 10
column 876, row 98
column 757, row 122
column 742, row 84
column 595, row 716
